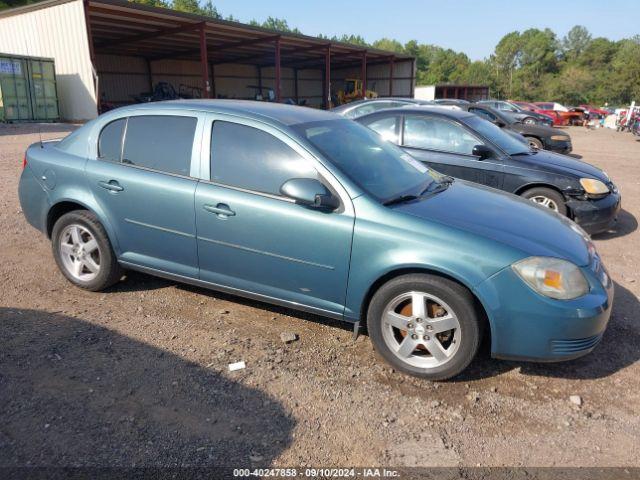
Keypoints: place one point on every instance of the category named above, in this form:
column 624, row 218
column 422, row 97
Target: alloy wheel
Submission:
column 80, row 253
column 421, row 329
column 545, row 202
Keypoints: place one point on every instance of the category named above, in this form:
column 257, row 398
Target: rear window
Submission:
column 160, row 142
column 110, row 142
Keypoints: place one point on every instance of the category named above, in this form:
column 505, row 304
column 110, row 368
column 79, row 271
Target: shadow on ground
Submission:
column 625, row 225
column 76, row 394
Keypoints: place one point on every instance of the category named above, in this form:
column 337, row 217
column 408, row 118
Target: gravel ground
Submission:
column 138, row 375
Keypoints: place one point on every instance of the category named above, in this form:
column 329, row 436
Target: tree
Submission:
column 576, row 42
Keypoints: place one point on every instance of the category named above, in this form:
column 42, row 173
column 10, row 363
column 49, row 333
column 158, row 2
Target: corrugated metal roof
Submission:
column 125, row 28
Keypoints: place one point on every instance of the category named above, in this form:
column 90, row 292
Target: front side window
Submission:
column 387, row 128
column 110, row 141
column 437, row 134
column 483, row 114
column 160, row 142
column 252, row 159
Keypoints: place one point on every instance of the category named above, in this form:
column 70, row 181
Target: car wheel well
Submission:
column 58, row 210
column 482, row 313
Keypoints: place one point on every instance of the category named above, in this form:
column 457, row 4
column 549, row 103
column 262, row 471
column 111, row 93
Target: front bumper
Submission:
column 596, row 216
column 528, row 326
column 562, row 146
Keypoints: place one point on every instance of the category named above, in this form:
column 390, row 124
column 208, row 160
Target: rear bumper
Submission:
column 528, row 326
column 596, row 216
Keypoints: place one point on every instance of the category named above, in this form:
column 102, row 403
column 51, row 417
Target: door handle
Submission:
column 111, row 185
column 220, row 209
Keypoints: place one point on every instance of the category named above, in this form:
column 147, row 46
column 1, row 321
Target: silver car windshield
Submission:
column 375, row 165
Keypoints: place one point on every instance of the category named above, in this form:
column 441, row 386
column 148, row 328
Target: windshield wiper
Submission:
column 439, row 186
column 401, row 199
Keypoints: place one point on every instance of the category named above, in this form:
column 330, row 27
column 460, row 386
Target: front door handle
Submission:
column 111, row 185
column 221, row 209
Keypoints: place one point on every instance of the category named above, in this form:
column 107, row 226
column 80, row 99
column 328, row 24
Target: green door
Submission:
column 44, row 100
column 15, row 89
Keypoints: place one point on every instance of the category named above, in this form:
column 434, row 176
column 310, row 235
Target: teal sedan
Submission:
column 302, row 208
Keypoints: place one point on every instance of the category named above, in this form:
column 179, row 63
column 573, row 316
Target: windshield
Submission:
column 497, row 136
column 375, row 165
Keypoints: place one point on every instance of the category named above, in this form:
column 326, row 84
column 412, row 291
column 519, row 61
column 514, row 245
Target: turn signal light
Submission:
column 24, row 161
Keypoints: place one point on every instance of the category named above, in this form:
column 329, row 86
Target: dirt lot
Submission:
column 138, row 375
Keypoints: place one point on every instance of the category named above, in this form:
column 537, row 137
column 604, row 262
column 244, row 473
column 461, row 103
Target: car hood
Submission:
column 563, row 164
column 502, row 217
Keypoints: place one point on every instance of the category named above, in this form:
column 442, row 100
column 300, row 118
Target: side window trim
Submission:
column 325, row 175
column 195, row 161
column 442, row 151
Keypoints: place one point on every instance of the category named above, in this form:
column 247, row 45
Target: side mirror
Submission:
column 500, row 123
column 482, row 152
column 310, row 193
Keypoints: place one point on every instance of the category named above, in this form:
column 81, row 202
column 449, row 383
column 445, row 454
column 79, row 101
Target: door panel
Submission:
column 273, row 247
column 152, row 214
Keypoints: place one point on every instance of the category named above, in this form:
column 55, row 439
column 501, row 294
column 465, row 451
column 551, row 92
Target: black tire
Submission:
column 455, row 296
column 110, row 270
column 535, row 142
column 549, row 193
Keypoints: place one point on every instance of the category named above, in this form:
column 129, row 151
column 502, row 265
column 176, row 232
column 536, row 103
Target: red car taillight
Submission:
column 24, row 161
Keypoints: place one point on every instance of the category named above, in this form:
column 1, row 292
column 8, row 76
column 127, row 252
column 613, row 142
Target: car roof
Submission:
column 435, row 110
column 364, row 101
column 274, row 112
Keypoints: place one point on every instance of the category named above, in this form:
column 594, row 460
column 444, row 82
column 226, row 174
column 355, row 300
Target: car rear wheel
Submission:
column 548, row 198
column 535, row 143
column 424, row 325
column 529, row 121
column 83, row 252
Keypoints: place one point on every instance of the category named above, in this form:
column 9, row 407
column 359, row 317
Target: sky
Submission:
column 472, row 27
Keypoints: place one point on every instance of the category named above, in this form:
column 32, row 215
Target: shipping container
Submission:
column 27, row 89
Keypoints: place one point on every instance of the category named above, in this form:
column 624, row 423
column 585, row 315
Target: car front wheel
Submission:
column 535, row 143
column 547, row 198
column 424, row 325
column 83, row 252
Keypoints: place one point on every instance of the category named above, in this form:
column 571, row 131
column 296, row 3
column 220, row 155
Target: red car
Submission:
column 563, row 116
column 591, row 111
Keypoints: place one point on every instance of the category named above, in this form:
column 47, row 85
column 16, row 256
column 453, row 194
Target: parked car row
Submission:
column 390, row 225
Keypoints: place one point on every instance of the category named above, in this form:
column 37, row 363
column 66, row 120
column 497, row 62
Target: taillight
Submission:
column 24, row 161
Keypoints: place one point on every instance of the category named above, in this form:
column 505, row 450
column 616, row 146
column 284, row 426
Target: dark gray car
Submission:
column 538, row 136
column 364, row 107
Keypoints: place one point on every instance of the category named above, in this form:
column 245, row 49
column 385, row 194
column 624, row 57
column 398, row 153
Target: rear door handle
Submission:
column 221, row 209
column 111, row 185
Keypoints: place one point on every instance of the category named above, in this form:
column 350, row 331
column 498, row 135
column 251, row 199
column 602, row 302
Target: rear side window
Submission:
column 252, row 159
column 110, row 141
column 160, row 142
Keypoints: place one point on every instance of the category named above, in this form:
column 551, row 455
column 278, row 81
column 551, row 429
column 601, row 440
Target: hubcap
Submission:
column 545, row 202
column 421, row 329
column 80, row 253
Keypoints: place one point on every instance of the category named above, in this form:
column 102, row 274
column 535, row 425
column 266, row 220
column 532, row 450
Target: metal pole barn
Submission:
column 391, row 76
column 204, row 63
column 327, row 79
column 363, row 74
column 278, row 90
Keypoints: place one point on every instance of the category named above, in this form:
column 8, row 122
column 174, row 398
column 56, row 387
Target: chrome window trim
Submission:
column 324, row 174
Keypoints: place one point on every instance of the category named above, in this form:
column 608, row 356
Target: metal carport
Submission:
column 164, row 37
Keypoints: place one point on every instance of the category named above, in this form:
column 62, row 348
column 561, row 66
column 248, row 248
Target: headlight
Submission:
column 560, row 138
column 593, row 186
column 552, row 277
